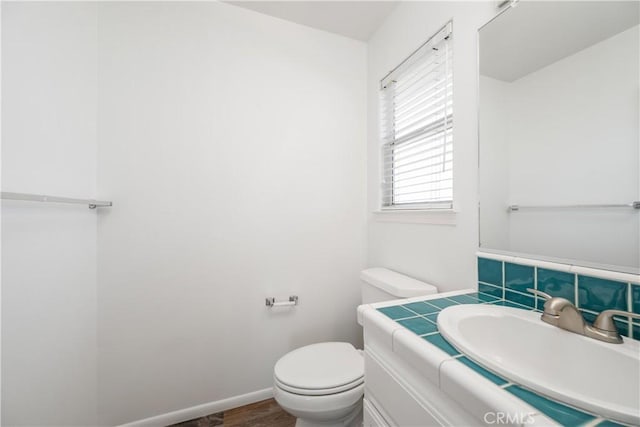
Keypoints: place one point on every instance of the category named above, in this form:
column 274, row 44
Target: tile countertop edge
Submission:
column 434, row 363
column 365, row 307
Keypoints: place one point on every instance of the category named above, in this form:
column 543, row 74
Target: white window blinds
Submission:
column 417, row 128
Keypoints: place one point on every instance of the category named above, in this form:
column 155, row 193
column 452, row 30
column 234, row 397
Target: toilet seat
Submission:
column 320, row 369
column 318, row 392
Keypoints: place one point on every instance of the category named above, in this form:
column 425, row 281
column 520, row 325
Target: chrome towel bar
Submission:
column 91, row 203
column 632, row 205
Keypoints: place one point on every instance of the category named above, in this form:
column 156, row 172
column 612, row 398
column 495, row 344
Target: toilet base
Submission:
column 353, row 419
column 332, row 410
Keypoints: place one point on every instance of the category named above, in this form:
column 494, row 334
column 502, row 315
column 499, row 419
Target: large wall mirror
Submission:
column 559, row 156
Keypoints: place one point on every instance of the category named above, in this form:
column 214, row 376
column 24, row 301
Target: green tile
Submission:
column 540, row 302
column 442, row 302
column 623, row 328
column 442, row 344
column 588, row 317
column 635, row 298
column 421, row 307
column 432, row 317
column 465, row 299
column 486, row 297
column 518, row 277
column 490, row 271
column 490, row 290
column 557, row 283
column 599, row 294
column 419, row 326
column 482, row 371
column 527, row 301
column 608, row 423
column 562, row 414
column 396, row 312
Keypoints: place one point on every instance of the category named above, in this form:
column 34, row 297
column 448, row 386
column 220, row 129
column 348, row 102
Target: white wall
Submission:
column 441, row 254
column 49, row 252
column 572, row 131
column 233, row 146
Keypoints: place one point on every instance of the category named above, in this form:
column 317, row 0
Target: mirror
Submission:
column 558, row 125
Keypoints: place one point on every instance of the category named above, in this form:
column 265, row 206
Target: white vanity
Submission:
column 416, row 379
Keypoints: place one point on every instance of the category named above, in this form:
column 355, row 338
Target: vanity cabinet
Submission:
column 413, row 380
column 397, row 393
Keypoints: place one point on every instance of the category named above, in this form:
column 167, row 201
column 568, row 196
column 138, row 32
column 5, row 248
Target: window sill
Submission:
column 435, row 216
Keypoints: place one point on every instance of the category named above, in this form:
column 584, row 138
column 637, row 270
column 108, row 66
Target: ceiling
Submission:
column 354, row 19
column 535, row 34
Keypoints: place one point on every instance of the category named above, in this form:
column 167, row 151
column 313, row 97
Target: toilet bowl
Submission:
column 323, row 384
column 324, row 411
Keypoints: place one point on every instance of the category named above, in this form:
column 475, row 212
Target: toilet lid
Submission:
column 327, row 366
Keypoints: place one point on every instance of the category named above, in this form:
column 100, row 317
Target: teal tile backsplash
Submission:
column 518, row 277
column 490, row 271
column 635, row 298
column 490, row 290
column 600, row 294
column 483, row 297
column 557, row 283
column 590, row 294
column 518, row 298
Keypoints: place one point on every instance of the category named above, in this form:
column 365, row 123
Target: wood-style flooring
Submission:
column 261, row 414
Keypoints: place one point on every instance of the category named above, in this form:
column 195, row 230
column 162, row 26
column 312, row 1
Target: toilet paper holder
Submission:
column 271, row 302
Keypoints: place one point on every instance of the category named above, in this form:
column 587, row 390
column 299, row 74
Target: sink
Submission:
column 582, row 372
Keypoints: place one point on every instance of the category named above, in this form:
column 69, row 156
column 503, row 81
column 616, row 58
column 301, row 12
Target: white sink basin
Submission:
column 590, row 375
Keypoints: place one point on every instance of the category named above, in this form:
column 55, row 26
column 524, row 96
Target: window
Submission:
column 417, row 128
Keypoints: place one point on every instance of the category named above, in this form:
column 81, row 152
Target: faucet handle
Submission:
column 604, row 321
column 540, row 294
column 553, row 306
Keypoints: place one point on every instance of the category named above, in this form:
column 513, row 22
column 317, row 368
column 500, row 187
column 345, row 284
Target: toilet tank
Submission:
column 381, row 284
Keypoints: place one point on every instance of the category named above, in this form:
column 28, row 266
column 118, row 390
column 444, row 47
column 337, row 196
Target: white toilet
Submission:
column 323, row 384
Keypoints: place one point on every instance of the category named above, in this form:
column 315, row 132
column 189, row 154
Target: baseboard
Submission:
column 202, row 410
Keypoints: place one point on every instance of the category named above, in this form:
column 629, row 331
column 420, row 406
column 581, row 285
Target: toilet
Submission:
column 323, row 384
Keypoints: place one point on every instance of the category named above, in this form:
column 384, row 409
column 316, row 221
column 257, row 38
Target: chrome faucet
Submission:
column 562, row 313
